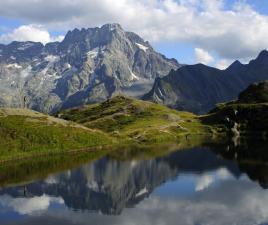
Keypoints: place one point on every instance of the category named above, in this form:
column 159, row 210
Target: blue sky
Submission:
column 213, row 32
column 260, row 5
column 184, row 52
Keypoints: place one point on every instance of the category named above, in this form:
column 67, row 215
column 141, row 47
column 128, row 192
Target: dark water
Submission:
column 209, row 185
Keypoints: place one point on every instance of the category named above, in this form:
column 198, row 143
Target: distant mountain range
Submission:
column 198, row 88
column 89, row 65
column 95, row 64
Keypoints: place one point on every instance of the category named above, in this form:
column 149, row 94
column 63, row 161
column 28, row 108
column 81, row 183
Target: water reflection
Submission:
column 197, row 186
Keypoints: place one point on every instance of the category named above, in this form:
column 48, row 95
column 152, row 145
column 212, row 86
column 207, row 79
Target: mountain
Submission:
column 89, row 65
column 247, row 116
column 198, row 88
column 123, row 122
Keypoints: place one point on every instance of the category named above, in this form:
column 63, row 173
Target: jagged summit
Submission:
column 198, row 88
column 112, row 26
column 89, row 65
column 236, row 65
column 263, row 54
column 86, row 32
column 261, row 59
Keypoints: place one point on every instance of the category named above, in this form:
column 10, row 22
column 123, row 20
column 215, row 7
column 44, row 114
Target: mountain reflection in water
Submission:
column 196, row 186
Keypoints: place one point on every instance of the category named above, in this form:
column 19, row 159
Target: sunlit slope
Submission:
column 137, row 120
column 24, row 132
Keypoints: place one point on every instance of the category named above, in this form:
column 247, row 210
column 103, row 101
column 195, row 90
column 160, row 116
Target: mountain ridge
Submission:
column 88, row 66
column 198, row 88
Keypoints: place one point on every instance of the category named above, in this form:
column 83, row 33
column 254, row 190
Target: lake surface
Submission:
column 206, row 185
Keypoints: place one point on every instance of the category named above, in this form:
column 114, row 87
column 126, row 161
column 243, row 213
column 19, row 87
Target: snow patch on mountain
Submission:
column 54, row 76
column 25, row 46
column 133, row 76
column 142, row 47
column 67, row 66
column 14, row 66
column 142, row 192
column 160, row 92
column 93, row 53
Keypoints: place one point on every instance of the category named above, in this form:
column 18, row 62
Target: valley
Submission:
column 122, row 122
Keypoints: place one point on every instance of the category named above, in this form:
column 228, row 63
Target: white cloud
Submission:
column 203, row 182
column 203, row 56
column 238, row 32
column 223, row 173
column 29, row 33
column 223, row 64
column 28, row 206
column 233, row 202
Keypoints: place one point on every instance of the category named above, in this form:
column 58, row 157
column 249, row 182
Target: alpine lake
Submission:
column 224, row 183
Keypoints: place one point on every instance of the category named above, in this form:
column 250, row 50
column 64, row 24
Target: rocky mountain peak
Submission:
column 89, row 65
column 111, row 26
column 78, row 35
column 20, row 52
column 198, row 88
column 263, row 54
column 261, row 59
column 235, row 66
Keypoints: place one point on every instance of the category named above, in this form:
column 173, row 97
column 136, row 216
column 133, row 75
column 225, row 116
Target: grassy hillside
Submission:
column 25, row 132
column 117, row 122
column 140, row 121
column 247, row 119
column 246, row 116
column 123, row 121
column 255, row 93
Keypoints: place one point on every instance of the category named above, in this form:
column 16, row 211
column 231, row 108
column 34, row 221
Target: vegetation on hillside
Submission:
column 246, row 116
column 255, row 93
column 123, row 121
column 134, row 120
column 25, row 132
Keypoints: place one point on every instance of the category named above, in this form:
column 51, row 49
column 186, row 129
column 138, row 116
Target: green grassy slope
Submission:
column 139, row 121
column 249, row 119
column 246, row 116
column 123, row 121
column 255, row 93
column 25, row 132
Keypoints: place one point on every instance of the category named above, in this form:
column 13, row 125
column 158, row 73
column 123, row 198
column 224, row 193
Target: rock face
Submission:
column 198, row 88
column 89, row 65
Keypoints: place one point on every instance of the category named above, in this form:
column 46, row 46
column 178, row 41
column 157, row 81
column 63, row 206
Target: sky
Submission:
column 213, row 32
